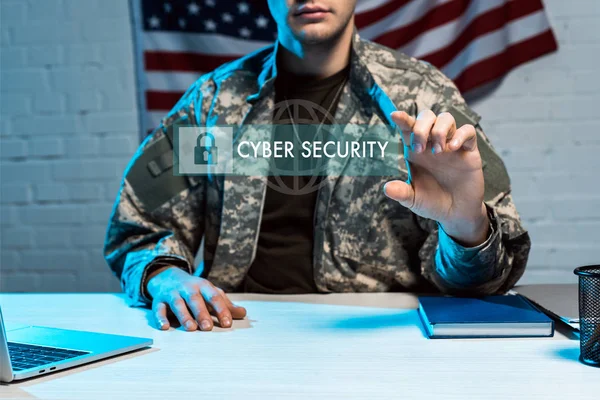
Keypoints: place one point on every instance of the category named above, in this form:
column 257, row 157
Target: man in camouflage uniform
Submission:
column 445, row 228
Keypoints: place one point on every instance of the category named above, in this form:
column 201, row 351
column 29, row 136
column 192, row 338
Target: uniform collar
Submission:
column 362, row 83
column 359, row 72
column 267, row 75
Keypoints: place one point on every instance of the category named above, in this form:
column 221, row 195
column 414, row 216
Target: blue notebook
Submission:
column 491, row 316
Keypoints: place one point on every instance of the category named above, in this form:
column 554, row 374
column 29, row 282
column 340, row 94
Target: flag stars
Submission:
column 182, row 23
column 245, row 32
column 227, row 18
column 262, row 22
column 210, row 25
column 167, row 7
column 154, row 22
column 210, row 3
column 193, row 8
column 243, row 8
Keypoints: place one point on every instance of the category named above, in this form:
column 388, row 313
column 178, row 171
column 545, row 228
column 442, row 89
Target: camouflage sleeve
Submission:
column 496, row 265
column 150, row 224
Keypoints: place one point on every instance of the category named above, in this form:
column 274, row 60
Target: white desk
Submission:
column 292, row 347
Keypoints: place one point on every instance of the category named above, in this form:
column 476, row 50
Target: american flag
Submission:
column 472, row 41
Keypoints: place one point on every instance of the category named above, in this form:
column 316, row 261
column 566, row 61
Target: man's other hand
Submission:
column 191, row 299
column 446, row 182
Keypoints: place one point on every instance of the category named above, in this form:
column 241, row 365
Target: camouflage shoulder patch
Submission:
column 494, row 171
column 464, row 115
column 151, row 175
column 375, row 53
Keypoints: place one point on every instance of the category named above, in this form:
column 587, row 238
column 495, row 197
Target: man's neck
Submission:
column 319, row 61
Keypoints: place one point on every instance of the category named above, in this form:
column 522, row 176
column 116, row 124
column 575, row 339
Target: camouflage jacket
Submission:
column 363, row 240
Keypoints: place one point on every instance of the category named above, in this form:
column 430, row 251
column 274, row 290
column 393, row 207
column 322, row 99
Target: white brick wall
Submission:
column 68, row 127
column 543, row 119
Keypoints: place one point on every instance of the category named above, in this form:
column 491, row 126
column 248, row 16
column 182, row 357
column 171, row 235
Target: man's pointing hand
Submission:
column 446, row 182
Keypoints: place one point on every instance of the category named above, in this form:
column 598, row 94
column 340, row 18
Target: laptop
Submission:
column 34, row 350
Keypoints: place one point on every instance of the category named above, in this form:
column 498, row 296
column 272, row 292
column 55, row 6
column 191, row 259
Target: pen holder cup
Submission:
column 589, row 314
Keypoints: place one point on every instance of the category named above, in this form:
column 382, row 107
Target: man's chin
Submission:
column 314, row 34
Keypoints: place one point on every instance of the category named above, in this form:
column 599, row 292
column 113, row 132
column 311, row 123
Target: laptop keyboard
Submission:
column 25, row 356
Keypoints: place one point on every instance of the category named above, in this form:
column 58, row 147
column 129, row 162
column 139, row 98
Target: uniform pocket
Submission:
column 382, row 242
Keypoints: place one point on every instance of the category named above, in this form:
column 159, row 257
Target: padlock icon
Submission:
column 205, row 152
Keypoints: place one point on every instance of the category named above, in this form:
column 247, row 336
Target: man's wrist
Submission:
column 155, row 271
column 469, row 232
column 158, row 271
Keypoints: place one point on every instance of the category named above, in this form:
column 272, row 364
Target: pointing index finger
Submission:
column 405, row 123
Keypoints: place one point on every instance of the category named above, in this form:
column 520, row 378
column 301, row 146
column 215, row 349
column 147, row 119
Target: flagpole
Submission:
column 137, row 27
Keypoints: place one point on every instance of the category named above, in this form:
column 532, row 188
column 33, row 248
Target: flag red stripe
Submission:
column 183, row 61
column 475, row 75
column 494, row 67
column 158, row 100
column 485, row 23
column 470, row 76
column 436, row 17
column 367, row 18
